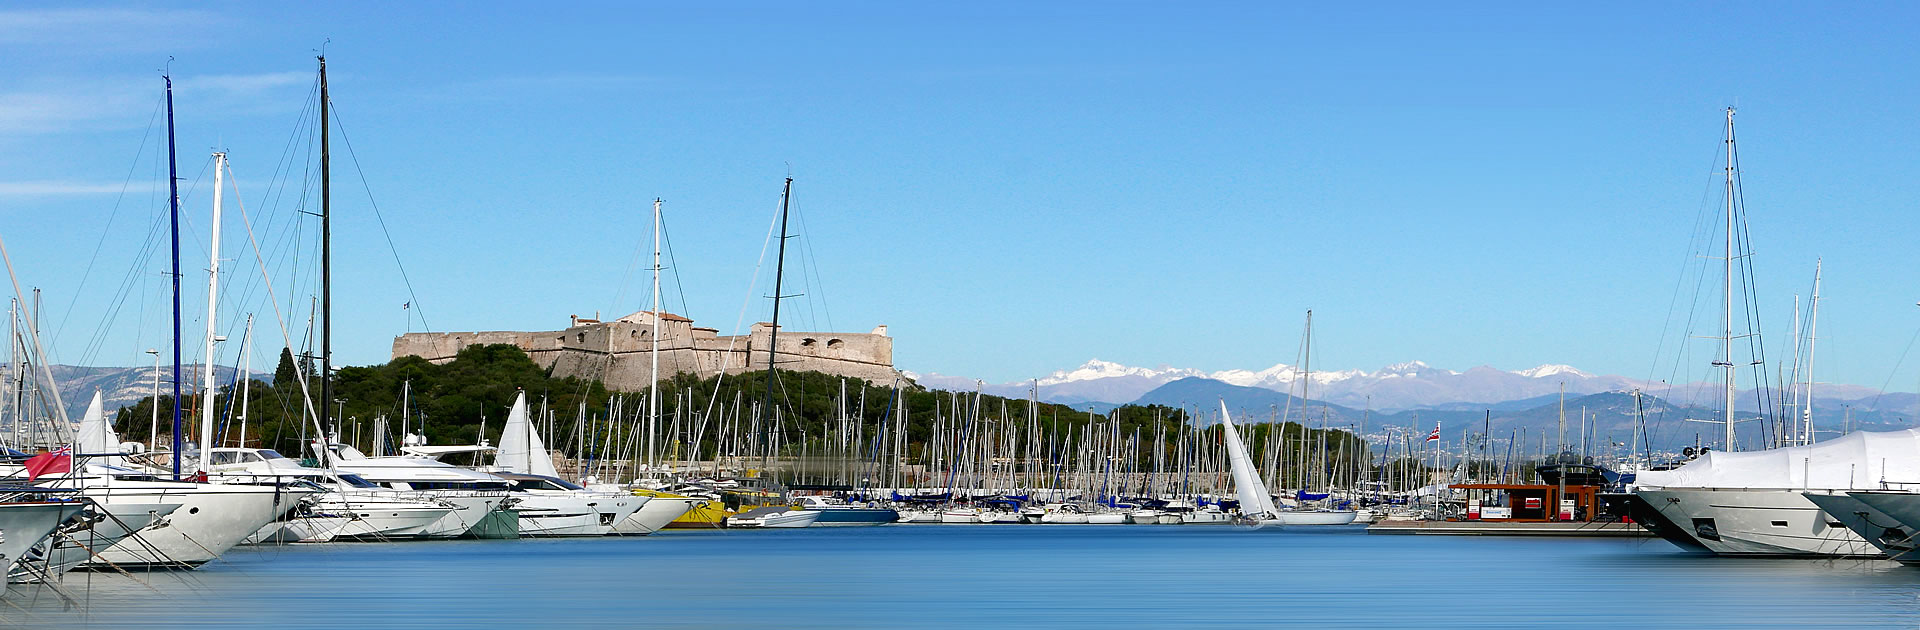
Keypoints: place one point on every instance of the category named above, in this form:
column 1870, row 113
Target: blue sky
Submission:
column 1011, row 188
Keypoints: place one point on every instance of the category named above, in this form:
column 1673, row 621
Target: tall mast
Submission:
column 1726, row 314
column 213, row 293
column 173, row 201
column 653, row 387
column 246, row 379
column 326, row 265
column 773, row 335
column 1813, row 324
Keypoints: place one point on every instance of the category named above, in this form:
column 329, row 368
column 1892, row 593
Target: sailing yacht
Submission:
column 349, row 507
column 209, row 518
column 1256, row 506
column 474, row 495
column 549, row 505
column 1320, row 514
column 1755, row 503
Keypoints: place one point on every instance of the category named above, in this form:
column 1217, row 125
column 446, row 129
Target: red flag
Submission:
column 58, row 461
column 1435, row 435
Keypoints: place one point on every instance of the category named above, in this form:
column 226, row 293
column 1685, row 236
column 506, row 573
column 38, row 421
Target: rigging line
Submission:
column 102, row 244
column 418, row 309
column 753, row 281
column 679, row 283
column 813, row 285
column 125, row 289
column 88, row 351
column 299, row 374
column 1696, row 241
column 1896, row 369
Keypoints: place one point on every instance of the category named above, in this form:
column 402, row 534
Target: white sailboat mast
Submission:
column 1726, row 315
column 1813, row 326
column 246, row 376
column 653, row 383
column 213, row 295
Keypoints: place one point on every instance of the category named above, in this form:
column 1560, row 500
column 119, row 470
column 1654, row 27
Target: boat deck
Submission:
column 1491, row 528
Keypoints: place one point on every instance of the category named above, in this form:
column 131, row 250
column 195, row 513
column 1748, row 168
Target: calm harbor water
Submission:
column 1004, row 576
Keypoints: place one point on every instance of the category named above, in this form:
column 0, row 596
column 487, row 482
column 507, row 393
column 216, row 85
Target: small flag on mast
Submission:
column 1435, row 435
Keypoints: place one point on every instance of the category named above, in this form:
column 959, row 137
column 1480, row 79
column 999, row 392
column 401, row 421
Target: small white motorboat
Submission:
column 775, row 516
column 1316, row 517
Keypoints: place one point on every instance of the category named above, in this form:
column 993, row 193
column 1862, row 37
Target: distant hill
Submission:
column 1609, row 417
column 124, row 386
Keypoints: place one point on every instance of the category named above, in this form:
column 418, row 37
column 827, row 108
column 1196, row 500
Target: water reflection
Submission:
column 965, row 576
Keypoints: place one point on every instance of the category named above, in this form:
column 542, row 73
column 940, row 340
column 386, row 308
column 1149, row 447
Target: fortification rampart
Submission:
column 620, row 352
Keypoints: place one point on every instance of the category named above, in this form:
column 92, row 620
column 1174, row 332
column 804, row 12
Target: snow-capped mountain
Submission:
column 1398, row 386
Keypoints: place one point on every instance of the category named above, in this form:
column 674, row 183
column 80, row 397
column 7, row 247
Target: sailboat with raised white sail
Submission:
column 1256, row 506
column 548, row 505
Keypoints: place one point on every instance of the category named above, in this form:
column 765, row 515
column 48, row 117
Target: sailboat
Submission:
column 1314, row 515
column 549, row 505
column 1753, row 504
column 211, row 517
column 1256, row 506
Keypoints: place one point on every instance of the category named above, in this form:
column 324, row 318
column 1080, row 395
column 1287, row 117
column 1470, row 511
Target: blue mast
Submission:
column 173, row 199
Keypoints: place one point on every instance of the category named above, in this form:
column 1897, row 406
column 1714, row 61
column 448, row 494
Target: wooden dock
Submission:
column 1495, row 528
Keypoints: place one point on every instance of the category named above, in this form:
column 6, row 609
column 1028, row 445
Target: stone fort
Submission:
column 619, row 352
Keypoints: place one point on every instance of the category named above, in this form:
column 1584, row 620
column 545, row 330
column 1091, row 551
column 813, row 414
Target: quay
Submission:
column 1486, row 528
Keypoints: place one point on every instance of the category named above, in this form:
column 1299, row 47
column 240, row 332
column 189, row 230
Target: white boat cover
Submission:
column 1856, row 461
column 521, row 450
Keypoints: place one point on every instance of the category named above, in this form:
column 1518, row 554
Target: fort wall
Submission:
column 620, row 352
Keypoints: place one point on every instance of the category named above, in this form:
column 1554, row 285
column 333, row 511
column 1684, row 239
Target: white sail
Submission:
column 521, row 450
column 95, row 435
column 1254, row 500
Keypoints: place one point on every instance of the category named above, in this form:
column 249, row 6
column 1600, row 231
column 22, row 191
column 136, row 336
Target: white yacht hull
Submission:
column 379, row 522
column 468, row 509
column 1205, row 518
column 1892, row 523
column 959, row 517
column 918, row 516
column 783, row 520
column 570, row 514
column 1064, row 518
column 211, row 519
column 655, row 515
column 1144, row 517
column 1107, row 518
column 76, row 542
column 24, row 525
column 301, row 529
column 1884, row 531
column 1317, row 518
column 1778, row 523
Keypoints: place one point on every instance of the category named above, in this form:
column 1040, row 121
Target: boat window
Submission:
column 357, row 481
column 1779, row 523
column 249, row 457
column 267, row 453
column 223, row 457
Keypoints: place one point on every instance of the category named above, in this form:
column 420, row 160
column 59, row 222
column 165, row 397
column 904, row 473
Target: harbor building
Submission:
column 619, row 352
